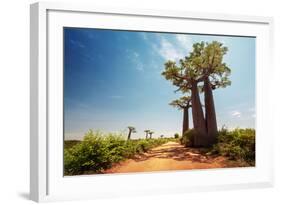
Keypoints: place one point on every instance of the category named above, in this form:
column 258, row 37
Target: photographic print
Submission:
column 138, row 101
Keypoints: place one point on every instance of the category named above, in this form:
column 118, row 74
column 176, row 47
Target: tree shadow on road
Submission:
column 176, row 152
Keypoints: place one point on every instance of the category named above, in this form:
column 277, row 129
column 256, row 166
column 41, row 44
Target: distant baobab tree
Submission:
column 146, row 133
column 150, row 134
column 161, row 136
column 131, row 130
column 184, row 103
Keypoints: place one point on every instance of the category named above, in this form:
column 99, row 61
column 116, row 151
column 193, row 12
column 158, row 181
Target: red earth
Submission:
column 170, row 156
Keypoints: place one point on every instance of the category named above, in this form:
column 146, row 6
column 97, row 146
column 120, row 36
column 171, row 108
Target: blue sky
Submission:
column 112, row 79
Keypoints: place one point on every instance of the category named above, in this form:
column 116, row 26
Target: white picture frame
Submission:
column 47, row 182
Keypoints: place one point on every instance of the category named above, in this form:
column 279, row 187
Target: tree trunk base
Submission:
column 203, row 140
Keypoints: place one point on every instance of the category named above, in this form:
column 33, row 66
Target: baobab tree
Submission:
column 150, row 134
column 184, row 103
column 208, row 58
column 131, row 130
column 146, row 133
column 203, row 69
column 186, row 78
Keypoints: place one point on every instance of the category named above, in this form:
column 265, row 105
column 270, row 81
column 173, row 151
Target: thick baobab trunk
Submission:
column 129, row 135
column 199, row 123
column 185, row 125
column 210, row 113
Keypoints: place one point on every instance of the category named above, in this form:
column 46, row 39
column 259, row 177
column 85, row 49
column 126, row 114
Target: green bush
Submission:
column 188, row 138
column 97, row 152
column 70, row 143
column 177, row 136
column 238, row 144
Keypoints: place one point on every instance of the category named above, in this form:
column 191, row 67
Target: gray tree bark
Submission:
column 210, row 113
column 199, row 123
column 129, row 135
column 185, row 125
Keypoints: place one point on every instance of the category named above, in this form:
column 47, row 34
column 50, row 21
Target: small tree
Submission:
column 131, row 130
column 177, row 135
column 150, row 134
column 184, row 103
column 146, row 133
column 161, row 136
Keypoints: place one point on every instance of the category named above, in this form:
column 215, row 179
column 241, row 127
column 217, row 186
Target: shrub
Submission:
column 238, row 144
column 144, row 145
column 188, row 138
column 177, row 136
column 94, row 153
column 97, row 152
column 70, row 143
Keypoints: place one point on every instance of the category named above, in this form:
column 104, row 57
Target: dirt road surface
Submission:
column 169, row 156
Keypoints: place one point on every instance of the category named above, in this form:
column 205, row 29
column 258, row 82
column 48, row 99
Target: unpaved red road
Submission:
column 169, row 156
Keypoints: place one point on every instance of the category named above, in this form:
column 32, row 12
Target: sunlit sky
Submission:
column 112, row 80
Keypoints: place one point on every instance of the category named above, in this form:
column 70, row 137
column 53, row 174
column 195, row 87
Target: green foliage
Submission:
column 188, row 138
column 182, row 103
column 238, row 144
column 70, row 143
column 204, row 61
column 177, row 135
column 98, row 152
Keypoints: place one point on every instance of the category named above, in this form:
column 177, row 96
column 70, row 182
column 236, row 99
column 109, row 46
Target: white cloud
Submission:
column 135, row 54
column 184, row 40
column 236, row 113
column 174, row 48
column 169, row 51
column 135, row 58
column 139, row 66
